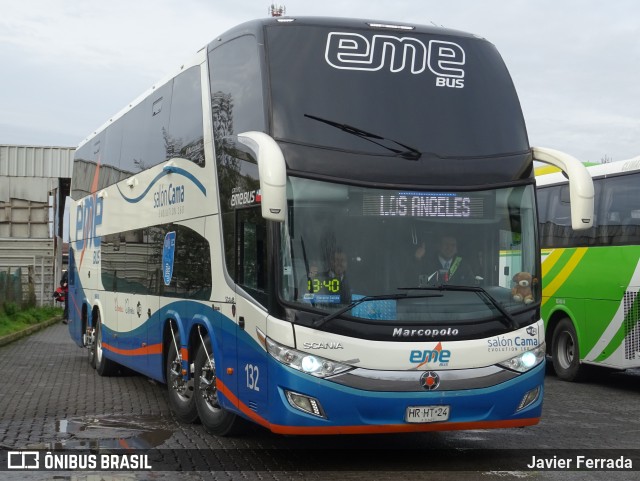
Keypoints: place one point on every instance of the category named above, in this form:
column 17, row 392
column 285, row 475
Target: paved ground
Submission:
column 39, row 395
column 51, row 398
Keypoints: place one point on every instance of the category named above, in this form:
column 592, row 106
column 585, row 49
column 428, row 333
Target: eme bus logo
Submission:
column 352, row 51
column 88, row 218
column 426, row 356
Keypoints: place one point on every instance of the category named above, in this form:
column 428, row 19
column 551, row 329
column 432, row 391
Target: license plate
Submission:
column 426, row 414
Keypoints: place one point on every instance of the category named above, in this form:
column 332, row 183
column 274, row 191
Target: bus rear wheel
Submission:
column 214, row 418
column 104, row 367
column 565, row 352
column 90, row 343
column 181, row 391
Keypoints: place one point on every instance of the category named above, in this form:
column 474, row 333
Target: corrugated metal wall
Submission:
column 29, row 175
column 32, row 161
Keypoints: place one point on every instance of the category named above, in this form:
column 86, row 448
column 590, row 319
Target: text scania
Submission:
column 518, row 343
column 323, row 345
column 171, row 195
column 352, row 51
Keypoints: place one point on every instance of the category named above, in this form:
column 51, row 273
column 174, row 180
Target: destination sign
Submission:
column 425, row 204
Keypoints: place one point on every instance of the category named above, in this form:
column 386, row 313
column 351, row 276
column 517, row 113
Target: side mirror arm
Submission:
column 581, row 189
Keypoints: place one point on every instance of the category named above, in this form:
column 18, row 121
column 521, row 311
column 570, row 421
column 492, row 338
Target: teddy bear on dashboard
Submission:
column 521, row 292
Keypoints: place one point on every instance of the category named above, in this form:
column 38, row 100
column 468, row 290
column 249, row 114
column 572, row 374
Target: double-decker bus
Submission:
column 248, row 232
column 591, row 278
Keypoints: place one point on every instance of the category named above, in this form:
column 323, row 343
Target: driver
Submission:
column 445, row 265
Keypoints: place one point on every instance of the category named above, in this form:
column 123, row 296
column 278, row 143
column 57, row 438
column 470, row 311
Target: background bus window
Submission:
column 554, row 219
column 621, row 203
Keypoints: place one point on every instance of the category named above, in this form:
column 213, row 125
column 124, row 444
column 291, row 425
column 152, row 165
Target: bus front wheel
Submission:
column 566, row 352
column 214, row 418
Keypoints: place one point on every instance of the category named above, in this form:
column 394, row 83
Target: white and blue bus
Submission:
column 247, row 232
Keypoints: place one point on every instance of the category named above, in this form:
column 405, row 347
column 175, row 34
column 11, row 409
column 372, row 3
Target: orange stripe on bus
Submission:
column 243, row 407
column 403, row 428
column 124, row 444
column 141, row 351
column 371, row 429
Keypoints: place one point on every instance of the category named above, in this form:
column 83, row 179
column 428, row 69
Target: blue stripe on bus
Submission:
column 172, row 170
column 344, row 406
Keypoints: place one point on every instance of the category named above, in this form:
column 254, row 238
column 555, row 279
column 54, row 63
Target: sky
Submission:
column 67, row 65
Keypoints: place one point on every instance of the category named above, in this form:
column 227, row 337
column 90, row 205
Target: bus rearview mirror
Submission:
column 581, row 192
column 260, row 148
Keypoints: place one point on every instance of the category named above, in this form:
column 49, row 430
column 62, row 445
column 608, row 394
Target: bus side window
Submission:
column 622, row 195
column 555, row 220
column 544, row 224
column 251, row 247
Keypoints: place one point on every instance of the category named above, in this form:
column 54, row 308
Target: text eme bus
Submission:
column 261, row 231
column 591, row 278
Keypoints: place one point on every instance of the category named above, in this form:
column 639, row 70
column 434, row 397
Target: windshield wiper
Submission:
column 383, row 297
column 409, row 153
column 508, row 320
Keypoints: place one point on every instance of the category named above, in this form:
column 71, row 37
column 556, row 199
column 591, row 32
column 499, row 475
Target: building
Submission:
column 34, row 183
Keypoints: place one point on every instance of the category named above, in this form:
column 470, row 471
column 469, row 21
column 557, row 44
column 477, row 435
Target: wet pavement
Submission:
column 51, row 399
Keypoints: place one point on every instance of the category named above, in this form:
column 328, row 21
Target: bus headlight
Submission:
column 305, row 362
column 527, row 360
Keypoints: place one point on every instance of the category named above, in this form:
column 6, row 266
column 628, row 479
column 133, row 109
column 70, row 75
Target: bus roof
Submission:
column 255, row 26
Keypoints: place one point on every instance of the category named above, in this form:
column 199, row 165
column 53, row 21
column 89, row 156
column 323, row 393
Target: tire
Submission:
column 105, row 367
column 182, row 398
column 91, row 348
column 215, row 419
column 83, row 334
column 565, row 352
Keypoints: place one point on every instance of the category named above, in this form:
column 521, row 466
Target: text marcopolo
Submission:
column 400, row 332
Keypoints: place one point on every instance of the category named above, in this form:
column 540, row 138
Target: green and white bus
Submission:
column 591, row 278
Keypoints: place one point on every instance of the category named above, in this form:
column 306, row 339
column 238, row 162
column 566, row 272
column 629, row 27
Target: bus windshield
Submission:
column 457, row 256
column 386, row 83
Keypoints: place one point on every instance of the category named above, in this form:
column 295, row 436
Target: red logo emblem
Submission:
column 430, row 380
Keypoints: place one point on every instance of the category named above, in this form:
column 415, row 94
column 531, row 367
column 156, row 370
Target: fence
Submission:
column 30, row 264
column 11, row 286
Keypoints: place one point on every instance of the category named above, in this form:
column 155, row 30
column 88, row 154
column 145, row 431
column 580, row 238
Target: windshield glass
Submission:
column 342, row 243
column 414, row 91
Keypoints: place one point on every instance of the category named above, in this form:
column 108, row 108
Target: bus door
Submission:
column 251, row 301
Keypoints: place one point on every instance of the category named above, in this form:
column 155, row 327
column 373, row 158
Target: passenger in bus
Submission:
column 443, row 266
column 338, row 264
column 309, row 274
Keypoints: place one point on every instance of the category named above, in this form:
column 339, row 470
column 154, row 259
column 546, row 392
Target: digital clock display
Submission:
column 323, row 290
column 425, row 204
column 315, row 285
